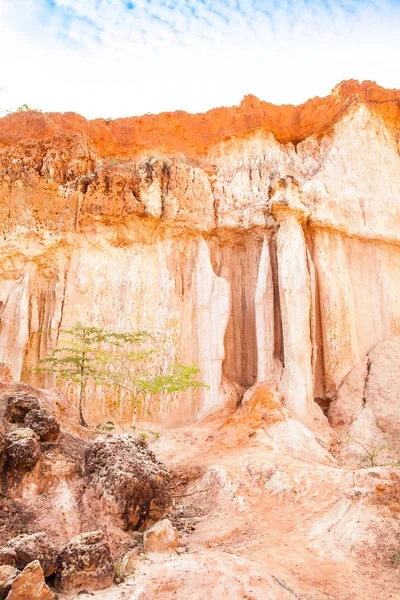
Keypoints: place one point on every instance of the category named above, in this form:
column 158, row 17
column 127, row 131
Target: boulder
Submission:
column 23, row 449
column 43, row 424
column 19, row 404
column 28, row 548
column 86, row 563
column 7, row 576
column 129, row 482
column 161, row 537
column 30, row 585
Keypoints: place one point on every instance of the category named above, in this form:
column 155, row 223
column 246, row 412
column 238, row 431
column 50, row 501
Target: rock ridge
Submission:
column 193, row 134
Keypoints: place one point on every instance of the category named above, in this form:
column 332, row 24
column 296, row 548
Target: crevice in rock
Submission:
column 285, row 587
column 165, row 187
column 66, row 271
column 364, row 400
column 79, row 204
column 278, row 335
column 320, row 394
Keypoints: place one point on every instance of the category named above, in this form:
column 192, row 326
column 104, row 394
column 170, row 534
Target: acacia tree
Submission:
column 80, row 357
column 131, row 361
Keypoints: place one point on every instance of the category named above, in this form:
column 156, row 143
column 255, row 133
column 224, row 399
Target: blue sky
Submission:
column 115, row 58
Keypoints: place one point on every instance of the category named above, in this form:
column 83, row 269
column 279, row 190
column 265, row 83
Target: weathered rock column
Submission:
column 295, row 303
column 213, row 304
column 268, row 368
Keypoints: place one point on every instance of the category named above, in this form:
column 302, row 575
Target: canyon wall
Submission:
column 264, row 242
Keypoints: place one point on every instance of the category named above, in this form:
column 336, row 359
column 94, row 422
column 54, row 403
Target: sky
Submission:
column 117, row 58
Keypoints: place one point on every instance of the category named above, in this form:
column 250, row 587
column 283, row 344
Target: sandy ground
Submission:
column 265, row 512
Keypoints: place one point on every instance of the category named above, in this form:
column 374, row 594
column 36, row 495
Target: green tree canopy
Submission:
column 135, row 362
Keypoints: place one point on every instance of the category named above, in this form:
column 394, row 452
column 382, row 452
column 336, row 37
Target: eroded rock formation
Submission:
column 261, row 240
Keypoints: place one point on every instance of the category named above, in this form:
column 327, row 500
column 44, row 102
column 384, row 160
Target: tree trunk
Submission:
column 81, row 396
column 134, row 412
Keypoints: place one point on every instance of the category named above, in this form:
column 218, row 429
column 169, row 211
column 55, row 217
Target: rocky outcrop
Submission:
column 86, row 563
column 57, row 486
column 43, row 424
column 22, row 449
column 35, row 547
column 18, row 405
column 125, row 481
column 41, row 481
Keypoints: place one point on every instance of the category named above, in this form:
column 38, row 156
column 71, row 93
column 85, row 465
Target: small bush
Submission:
column 26, row 108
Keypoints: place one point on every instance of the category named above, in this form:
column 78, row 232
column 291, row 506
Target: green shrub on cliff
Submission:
column 26, row 108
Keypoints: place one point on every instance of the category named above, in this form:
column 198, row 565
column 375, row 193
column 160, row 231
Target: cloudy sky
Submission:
column 110, row 58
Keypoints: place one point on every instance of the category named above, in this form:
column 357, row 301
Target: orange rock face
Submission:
column 193, row 134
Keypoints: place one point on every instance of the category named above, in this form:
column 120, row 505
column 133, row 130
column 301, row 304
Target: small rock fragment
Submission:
column 86, row 563
column 43, row 424
column 30, row 584
column 127, row 564
column 7, row 576
column 161, row 537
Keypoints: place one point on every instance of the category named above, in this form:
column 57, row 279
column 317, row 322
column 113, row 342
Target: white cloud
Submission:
column 101, row 58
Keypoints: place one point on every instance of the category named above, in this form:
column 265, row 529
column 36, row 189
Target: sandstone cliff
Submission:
column 263, row 240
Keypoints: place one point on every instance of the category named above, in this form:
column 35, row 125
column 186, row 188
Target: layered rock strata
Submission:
column 263, row 241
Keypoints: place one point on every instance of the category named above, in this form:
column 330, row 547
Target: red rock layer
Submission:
column 193, row 134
